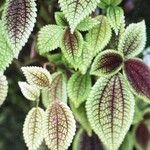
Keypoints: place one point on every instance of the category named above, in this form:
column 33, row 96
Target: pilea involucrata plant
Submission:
column 95, row 81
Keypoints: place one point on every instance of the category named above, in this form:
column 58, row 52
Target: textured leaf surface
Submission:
column 3, row 88
column 76, row 10
column 115, row 17
column 49, row 38
column 100, row 35
column 60, row 19
column 19, row 18
column 33, row 128
column 78, row 88
column 133, row 40
column 29, row 91
column 138, row 75
column 110, row 109
column 107, row 62
column 37, row 76
column 59, row 126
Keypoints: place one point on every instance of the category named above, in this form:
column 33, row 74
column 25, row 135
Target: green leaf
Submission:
column 19, row 18
column 108, row 62
column 133, row 40
column 33, row 128
column 110, row 109
column 60, row 19
column 72, row 47
column 59, row 126
column 78, row 88
column 76, row 10
column 99, row 36
column 115, row 17
column 87, row 24
column 49, row 38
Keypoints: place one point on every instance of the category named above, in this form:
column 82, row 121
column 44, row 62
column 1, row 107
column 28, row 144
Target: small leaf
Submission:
column 138, row 75
column 37, row 76
column 72, row 46
column 110, row 109
column 115, row 17
column 99, row 36
column 76, row 10
column 133, row 40
column 49, row 38
column 59, row 126
column 78, row 88
column 60, row 19
column 33, row 128
column 29, row 91
column 108, row 62
column 3, row 88
column 19, row 18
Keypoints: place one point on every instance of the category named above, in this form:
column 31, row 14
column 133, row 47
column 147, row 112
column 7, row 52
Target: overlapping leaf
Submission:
column 76, row 10
column 33, row 128
column 99, row 36
column 78, row 88
column 138, row 75
column 110, row 109
column 133, row 40
column 59, row 126
column 108, row 62
column 49, row 38
column 19, row 18
column 60, row 19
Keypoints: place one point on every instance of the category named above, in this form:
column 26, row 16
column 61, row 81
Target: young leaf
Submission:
column 30, row 92
column 133, row 40
column 78, row 88
column 37, row 76
column 59, row 126
column 3, row 88
column 110, row 109
column 99, row 36
column 60, row 19
column 115, row 17
column 33, row 128
column 76, row 10
column 72, row 46
column 108, row 62
column 19, row 18
column 138, row 75
column 49, row 38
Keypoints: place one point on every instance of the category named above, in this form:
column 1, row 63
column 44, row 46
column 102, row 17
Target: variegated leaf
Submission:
column 133, row 40
column 115, row 17
column 78, row 88
column 19, row 18
column 108, row 62
column 99, row 36
column 30, row 92
column 49, row 38
column 76, row 10
column 72, row 47
column 138, row 75
column 110, row 109
column 59, row 126
column 3, row 88
column 60, row 19
column 33, row 128
column 37, row 76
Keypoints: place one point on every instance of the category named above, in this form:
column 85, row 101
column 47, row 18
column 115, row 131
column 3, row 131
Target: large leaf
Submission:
column 99, row 36
column 108, row 62
column 110, row 109
column 49, row 38
column 59, row 126
column 33, row 128
column 76, row 10
column 19, row 18
column 133, row 40
column 138, row 75
column 78, row 88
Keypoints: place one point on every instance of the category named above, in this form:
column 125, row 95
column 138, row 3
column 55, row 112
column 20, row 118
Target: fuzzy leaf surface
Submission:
column 110, row 109
column 60, row 19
